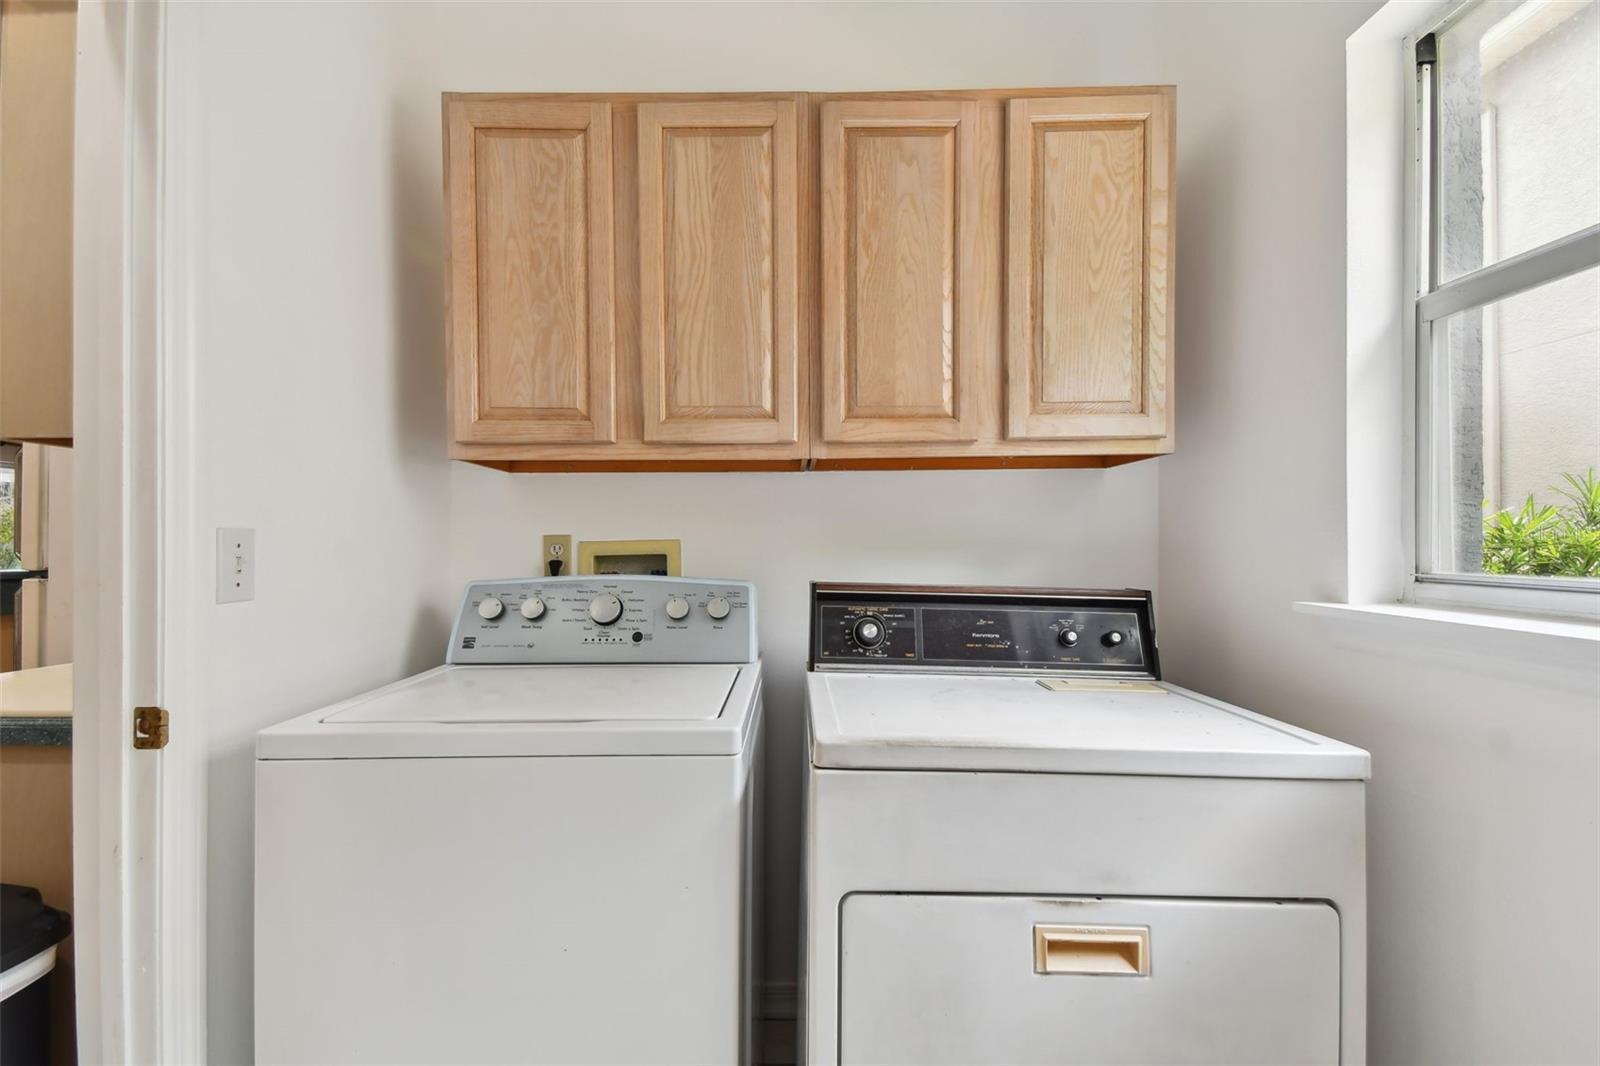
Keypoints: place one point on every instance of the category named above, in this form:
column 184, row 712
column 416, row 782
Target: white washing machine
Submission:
column 541, row 852
column 1022, row 847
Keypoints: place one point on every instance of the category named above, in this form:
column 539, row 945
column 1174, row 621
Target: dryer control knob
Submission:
column 1113, row 639
column 677, row 608
column 869, row 632
column 1069, row 637
column 718, row 607
column 490, row 608
column 605, row 609
column 533, row 608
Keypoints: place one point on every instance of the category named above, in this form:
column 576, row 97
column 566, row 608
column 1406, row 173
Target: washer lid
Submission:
column 513, row 711
column 1013, row 724
column 633, row 693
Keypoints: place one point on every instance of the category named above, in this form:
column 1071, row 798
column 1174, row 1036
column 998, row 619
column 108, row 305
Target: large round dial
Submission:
column 1068, row 638
column 605, row 609
column 718, row 607
column 677, row 608
column 1113, row 639
column 532, row 608
column 490, row 608
column 869, row 632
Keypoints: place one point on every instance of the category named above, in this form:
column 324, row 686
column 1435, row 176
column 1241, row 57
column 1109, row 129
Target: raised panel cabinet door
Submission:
column 718, row 271
column 1089, row 267
column 532, row 338
column 899, row 270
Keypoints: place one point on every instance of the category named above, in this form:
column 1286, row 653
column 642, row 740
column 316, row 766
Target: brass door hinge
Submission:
column 149, row 728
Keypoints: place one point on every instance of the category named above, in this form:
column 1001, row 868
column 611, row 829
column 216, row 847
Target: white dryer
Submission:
column 541, row 852
column 1022, row 847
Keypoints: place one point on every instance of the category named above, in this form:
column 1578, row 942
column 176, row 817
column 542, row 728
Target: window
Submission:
column 10, row 456
column 1508, row 305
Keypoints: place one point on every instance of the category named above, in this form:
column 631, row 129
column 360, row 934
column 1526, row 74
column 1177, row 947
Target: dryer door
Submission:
column 1010, row 979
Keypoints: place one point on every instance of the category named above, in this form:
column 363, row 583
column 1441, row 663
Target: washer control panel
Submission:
column 934, row 628
column 618, row 618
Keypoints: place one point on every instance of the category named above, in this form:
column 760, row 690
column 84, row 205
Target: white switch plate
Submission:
column 236, row 565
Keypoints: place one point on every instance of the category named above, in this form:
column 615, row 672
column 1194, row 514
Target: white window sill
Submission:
column 1488, row 640
column 1413, row 616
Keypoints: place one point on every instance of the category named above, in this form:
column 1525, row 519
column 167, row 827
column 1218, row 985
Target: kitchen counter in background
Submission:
column 36, row 812
column 36, row 706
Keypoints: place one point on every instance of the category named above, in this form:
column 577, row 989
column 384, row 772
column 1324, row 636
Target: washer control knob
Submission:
column 677, row 608
column 1112, row 639
column 718, row 607
column 490, row 608
column 605, row 609
column 869, row 631
column 1069, row 638
column 533, row 608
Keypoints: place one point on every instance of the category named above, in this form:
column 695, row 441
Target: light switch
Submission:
column 236, row 565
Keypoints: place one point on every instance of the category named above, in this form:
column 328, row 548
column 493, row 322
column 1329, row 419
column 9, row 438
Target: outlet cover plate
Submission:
column 236, row 565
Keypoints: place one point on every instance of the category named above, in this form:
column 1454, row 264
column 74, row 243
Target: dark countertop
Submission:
column 44, row 731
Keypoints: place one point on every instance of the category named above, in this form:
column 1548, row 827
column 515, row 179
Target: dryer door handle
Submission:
column 1096, row 950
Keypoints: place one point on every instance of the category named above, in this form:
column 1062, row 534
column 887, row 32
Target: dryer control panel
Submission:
column 616, row 618
column 963, row 629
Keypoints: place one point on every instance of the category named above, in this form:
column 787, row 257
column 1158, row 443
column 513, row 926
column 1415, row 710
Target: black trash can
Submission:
column 29, row 933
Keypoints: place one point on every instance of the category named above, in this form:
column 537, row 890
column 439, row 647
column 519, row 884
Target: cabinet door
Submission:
column 899, row 270
column 532, row 343
column 718, row 230
column 1055, row 980
column 1088, row 267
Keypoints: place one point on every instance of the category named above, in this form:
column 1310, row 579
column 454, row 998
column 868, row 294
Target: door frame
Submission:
column 138, row 816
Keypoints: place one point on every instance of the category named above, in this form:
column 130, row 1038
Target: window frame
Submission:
column 1432, row 303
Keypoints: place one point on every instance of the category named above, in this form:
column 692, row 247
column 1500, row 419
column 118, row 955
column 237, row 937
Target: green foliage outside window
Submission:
column 1550, row 540
column 8, row 535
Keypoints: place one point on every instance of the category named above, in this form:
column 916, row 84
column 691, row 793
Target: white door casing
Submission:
column 138, row 821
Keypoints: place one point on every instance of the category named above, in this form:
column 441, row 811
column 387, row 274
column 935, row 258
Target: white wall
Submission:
column 323, row 423
column 1483, row 803
column 323, row 255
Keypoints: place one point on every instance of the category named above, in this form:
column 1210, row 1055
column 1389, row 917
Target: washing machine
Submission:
column 541, row 852
column 1022, row 846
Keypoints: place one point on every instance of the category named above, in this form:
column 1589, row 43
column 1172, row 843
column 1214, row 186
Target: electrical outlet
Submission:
column 236, row 565
column 558, row 550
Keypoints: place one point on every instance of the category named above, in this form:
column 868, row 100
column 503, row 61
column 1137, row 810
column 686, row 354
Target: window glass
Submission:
column 1518, row 128
column 1517, row 431
column 8, row 517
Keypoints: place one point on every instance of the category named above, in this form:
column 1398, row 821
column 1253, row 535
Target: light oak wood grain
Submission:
column 718, row 252
column 988, row 318
column 899, row 243
column 532, row 337
column 1087, row 267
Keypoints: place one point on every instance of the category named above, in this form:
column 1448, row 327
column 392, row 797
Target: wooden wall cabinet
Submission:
column 719, row 228
column 529, row 193
column 899, row 270
column 781, row 281
column 1088, row 254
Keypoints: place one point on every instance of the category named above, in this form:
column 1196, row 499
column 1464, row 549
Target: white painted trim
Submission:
column 137, row 816
column 1387, row 478
column 1534, row 650
column 1586, row 633
column 1559, row 258
column 185, row 549
column 1382, row 268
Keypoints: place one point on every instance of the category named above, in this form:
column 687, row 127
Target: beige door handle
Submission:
column 1102, row 950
